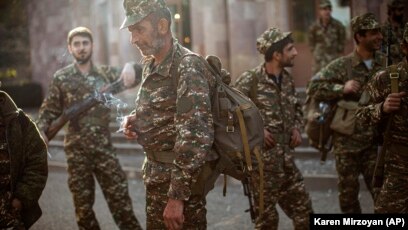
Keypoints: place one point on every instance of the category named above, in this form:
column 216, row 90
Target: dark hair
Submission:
column 159, row 14
column 362, row 33
column 277, row 47
column 79, row 31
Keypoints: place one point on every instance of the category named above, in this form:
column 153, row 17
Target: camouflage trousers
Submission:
column 349, row 166
column 283, row 185
column 157, row 181
column 83, row 166
column 393, row 197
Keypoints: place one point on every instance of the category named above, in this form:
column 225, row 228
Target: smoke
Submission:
column 115, row 104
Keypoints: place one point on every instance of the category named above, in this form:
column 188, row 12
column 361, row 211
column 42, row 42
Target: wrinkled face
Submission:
column 288, row 55
column 372, row 40
column 146, row 37
column 325, row 12
column 81, row 49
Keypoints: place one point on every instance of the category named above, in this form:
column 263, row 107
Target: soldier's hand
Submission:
column 351, row 86
column 128, row 75
column 173, row 214
column 392, row 102
column 16, row 204
column 269, row 140
column 295, row 139
column 127, row 127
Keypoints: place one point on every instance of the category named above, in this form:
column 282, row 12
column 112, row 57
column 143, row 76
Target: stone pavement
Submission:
column 224, row 213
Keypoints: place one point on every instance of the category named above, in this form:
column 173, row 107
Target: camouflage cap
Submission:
column 269, row 37
column 366, row 21
column 405, row 36
column 136, row 10
column 325, row 3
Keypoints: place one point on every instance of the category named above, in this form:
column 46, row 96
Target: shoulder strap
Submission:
column 394, row 77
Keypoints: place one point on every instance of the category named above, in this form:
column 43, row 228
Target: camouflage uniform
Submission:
column 354, row 153
column 281, row 112
column 23, row 166
column 326, row 42
column 395, row 38
column 88, row 147
column 393, row 197
column 174, row 124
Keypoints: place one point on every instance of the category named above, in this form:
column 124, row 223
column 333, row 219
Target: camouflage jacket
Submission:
column 175, row 116
column 28, row 159
column 279, row 106
column 69, row 87
column 395, row 39
column 328, row 84
column 326, row 43
column 379, row 88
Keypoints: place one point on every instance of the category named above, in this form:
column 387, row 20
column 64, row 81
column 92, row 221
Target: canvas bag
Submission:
column 344, row 119
column 238, row 133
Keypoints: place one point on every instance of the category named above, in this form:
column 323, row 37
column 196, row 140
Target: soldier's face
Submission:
column 146, row 37
column 372, row 40
column 404, row 48
column 325, row 12
column 288, row 55
column 81, row 49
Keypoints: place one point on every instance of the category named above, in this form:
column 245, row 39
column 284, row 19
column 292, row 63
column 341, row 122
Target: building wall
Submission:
column 51, row 20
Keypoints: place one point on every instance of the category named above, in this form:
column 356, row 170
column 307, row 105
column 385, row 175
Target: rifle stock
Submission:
column 79, row 108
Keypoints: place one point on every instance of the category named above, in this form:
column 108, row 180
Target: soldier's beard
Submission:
column 156, row 45
column 83, row 60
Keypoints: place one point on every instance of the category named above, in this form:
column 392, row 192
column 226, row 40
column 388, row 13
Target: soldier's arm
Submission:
column 342, row 38
column 194, row 126
column 34, row 174
column 298, row 122
column 328, row 83
column 378, row 89
column 52, row 106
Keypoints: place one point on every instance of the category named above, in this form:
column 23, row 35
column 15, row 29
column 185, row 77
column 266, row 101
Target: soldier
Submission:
column 88, row 147
column 272, row 88
column 175, row 127
column 393, row 197
column 326, row 37
column 393, row 29
column 23, row 167
column 344, row 79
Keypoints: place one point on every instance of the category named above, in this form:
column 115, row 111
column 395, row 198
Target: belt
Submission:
column 161, row 156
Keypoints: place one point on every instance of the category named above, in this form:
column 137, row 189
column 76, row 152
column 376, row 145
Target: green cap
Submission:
column 366, row 21
column 325, row 3
column 269, row 37
column 405, row 36
column 136, row 10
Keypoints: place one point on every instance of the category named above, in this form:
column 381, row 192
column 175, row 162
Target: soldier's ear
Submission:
column 163, row 26
column 69, row 49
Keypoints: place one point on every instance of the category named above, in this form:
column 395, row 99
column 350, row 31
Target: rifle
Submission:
column 247, row 192
column 324, row 109
column 79, row 108
column 378, row 176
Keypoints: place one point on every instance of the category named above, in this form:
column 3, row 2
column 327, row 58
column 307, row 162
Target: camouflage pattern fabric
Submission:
column 88, row 146
column 269, row 37
column 393, row 197
column 328, row 84
column 178, row 122
column 395, row 39
column 281, row 112
column 27, row 166
column 365, row 21
column 326, row 43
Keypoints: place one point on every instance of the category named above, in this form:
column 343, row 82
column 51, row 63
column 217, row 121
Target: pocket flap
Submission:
column 349, row 105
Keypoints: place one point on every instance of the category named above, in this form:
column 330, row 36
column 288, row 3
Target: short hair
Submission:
column 79, row 31
column 159, row 14
column 277, row 47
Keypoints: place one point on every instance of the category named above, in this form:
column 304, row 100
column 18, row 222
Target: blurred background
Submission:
column 33, row 34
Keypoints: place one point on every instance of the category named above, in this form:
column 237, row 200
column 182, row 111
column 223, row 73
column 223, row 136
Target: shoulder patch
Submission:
column 184, row 105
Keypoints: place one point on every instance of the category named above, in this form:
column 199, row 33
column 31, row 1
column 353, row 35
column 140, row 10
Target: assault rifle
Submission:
column 77, row 109
column 247, row 192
